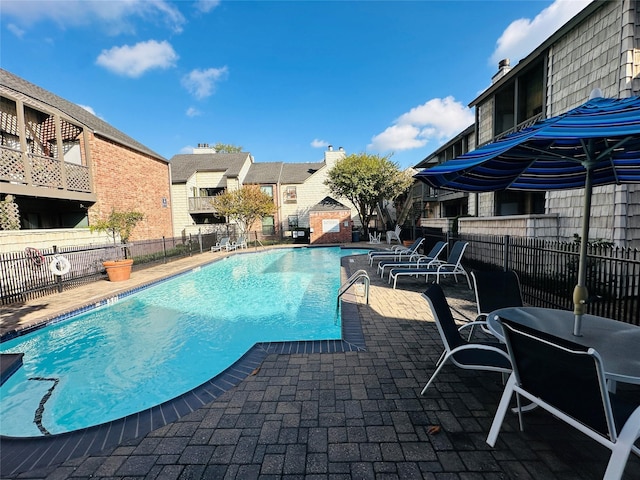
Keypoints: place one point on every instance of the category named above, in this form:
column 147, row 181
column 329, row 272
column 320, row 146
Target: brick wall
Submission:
column 125, row 179
column 316, row 224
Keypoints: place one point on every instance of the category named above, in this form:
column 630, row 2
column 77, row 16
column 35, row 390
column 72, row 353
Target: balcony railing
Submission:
column 42, row 171
column 521, row 126
column 201, row 204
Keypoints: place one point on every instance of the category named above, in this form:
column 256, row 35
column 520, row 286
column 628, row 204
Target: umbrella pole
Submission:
column 580, row 292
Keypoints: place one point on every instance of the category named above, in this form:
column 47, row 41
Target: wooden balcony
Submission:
column 35, row 175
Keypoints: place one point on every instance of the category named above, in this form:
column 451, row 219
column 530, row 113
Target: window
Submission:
column 210, row 192
column 268, row 226
column 510, row 202
column 268, row 189
column 290, row 195
column 293, row 222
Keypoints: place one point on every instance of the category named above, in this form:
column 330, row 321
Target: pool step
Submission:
column 9, row 364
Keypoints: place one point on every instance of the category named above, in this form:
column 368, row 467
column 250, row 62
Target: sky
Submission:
column 282, row 79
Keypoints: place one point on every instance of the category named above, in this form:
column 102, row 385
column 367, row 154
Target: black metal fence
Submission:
column 26, row 275
column 548, row 271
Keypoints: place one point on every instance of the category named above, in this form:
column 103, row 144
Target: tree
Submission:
column 227, row 148
column 118, row 223
column 366, row 180
column 244, row 206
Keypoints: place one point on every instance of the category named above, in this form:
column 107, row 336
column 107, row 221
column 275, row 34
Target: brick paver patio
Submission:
column 353, row 414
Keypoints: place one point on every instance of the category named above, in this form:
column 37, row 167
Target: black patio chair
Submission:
column 495, row 290
column 568, row 380
column 462, row 353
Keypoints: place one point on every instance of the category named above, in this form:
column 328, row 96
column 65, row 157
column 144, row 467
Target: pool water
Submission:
column 163, row 341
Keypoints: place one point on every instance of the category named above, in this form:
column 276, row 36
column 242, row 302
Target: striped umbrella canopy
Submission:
column 597, row 143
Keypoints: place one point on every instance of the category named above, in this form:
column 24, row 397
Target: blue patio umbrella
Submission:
column 597, row 143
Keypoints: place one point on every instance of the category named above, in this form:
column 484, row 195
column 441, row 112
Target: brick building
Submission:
column 66, row 167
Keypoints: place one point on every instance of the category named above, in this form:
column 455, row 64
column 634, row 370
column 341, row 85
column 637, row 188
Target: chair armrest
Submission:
column 481, row 346
column 471, row 324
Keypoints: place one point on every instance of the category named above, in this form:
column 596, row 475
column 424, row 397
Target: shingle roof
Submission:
column 299, row 172
column 74, row 111
column 184, row 166
column 328, row 204
column 267, row 172
column 281, row 172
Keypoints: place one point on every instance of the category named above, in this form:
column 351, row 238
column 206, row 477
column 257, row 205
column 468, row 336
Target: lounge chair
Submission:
column 452, row 266
column 568, row 380
column 240, row 243
column 394, row 235
column 415, row 261
column 395, row 254
column 223, row 243
column 462, row 353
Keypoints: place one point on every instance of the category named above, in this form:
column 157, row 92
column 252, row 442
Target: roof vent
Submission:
column 330, row 148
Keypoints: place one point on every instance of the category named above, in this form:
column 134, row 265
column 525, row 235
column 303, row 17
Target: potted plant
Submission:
column 119, row 224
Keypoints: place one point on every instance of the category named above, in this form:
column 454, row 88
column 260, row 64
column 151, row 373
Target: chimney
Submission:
column 503, row 68
column 204, row 148
column 331, row 156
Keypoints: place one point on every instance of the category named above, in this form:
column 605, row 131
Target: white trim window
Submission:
column 291, row 195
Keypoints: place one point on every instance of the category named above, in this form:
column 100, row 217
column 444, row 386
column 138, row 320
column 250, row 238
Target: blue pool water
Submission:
column 154, row 345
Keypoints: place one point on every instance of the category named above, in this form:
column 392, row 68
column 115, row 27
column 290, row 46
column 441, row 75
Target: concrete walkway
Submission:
column 342, row 415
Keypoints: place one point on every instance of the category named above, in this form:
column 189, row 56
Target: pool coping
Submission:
column 19, row 454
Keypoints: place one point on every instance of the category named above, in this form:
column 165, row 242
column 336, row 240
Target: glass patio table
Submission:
column 618, row 343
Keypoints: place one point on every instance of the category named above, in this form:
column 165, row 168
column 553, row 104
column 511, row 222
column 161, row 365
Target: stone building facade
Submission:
column 597, row 49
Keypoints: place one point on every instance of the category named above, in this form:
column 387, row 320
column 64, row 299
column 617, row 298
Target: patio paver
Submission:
column 350, row 414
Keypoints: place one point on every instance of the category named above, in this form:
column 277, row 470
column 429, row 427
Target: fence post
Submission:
column 200, row 239
column 164, row 250
column 58, row 277
column 505, row 252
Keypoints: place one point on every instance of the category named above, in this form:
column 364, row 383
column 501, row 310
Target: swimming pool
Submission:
column 163, row 341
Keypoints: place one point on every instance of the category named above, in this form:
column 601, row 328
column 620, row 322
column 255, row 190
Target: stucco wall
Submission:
column 18, row 240
column 544, row 227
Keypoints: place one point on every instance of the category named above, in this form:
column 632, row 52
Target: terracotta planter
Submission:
column 407, row 243
column 118, row 270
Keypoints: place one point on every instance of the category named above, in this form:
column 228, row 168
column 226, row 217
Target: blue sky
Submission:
column 282, row 79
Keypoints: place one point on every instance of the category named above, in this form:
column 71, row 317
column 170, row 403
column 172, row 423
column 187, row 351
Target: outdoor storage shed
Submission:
column 330, row 222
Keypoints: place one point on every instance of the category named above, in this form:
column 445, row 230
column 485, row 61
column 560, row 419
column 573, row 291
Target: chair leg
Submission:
column 433, row 376
column 503, row 406
column 617, row 462
column 623, row 446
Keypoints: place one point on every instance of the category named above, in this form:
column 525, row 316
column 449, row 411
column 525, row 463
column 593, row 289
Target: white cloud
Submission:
column 133, row 61
column 88, row 109
column 317, row 143
column 116, row 17
column 438, row 119
column 187, row 149
column 522, row 36
column 17, row 31
column 202, row 83
column 205, row 6
column 193, row 112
